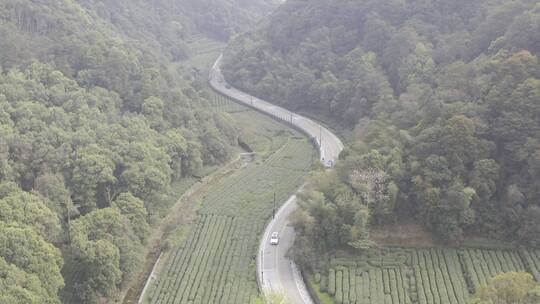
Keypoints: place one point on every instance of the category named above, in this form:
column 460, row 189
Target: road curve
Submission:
column 276, row 273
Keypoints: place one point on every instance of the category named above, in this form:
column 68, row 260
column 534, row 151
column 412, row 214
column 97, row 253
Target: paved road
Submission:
column 275, row 271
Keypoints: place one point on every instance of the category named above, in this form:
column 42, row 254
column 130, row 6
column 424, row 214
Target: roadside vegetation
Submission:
column 216, row 263
column 444, row 130
column 106, row 121
column 99, row 137
column 439, row 102
column 442, row 98
column 511, row 287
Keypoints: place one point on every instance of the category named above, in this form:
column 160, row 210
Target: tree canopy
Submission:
column 440, row 99
column 97, row 120
column 508, row 288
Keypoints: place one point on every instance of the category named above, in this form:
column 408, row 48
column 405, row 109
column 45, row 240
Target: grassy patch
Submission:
column 262, row 134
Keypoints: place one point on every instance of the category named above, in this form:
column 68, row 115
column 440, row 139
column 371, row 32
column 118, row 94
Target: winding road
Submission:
column 276, row 273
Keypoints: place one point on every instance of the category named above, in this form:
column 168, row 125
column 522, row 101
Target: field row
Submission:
column 209, row 267
column 420, row 276
column 200, row 45
column 216, row 264
column 225, row 104
column 438, row 277
column 531, row 261
column 376, row 285
column 481, row 265
column 250, row 192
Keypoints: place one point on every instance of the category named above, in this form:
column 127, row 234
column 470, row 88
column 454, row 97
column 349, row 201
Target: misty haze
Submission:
column 269, row 152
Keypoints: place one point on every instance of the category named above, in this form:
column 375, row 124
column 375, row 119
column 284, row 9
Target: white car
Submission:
column 274, row 239
column 328, row 164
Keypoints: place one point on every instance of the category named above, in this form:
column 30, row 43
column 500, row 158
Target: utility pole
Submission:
column 251, row 101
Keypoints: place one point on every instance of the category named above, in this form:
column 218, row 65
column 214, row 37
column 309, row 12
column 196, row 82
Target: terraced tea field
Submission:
column 225, row 104
column 420, row 275
column 216, row 264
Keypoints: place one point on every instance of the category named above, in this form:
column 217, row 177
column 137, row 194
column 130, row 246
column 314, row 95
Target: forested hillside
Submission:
column 94, row 128
column 444, row 101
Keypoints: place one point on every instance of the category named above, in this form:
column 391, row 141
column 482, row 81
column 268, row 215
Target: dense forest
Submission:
column 442, row 99
column 94, row 128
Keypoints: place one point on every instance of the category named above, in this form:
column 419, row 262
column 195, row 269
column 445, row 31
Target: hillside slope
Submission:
column 442, row 99
column 95, row 126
